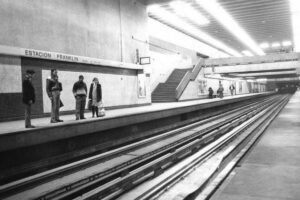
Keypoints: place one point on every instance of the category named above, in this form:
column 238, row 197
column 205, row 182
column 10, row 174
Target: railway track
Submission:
column 108, row 175
column 198, row 176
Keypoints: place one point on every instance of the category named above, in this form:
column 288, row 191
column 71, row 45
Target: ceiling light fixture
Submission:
column 286, row 43
column 264, row 45
column 275, row 44
column 247, row 53
column 163, row 15
column 185, row 10
column 216, row 10
column 295, row 15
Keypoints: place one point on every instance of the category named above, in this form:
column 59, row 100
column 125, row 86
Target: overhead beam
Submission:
column 150, row 2
column 288, row 65
column 295, row 79
column 282, row 73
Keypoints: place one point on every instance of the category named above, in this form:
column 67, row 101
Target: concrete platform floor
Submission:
column 12, row 126
column 272, row 169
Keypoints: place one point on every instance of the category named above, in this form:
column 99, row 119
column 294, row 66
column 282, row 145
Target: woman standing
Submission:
column 95, row 96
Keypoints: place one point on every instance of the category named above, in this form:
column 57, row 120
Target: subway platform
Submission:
column 48, row 145
column 271, row 170
column 44, row 122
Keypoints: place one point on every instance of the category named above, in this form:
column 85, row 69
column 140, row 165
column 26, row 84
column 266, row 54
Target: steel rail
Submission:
column 117, row 186
column 39, row 178
column 165, row 184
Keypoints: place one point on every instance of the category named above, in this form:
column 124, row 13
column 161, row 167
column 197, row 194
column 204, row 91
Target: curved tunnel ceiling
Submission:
column 263, row 20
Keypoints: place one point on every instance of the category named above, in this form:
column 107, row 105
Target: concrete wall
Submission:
column 91, row 28
column 120, row 87
column 162, row 65
column 101, row 29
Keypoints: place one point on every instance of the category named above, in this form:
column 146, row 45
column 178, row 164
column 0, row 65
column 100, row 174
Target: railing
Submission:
column 189, row 76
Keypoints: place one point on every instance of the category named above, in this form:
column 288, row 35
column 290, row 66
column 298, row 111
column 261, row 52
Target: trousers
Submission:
column 55, row 104
column 27, row 115
column 80, row 106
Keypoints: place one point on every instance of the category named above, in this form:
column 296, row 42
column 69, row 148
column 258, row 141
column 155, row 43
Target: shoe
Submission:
column 83, row 118
column 30, row 126
column 77, row 118
column 53, row 121
column 59, row 120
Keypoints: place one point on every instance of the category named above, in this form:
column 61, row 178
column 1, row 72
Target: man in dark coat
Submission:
column 210, row 93
column 28, row 97
column 54, row 88
column 95, row 96
column 80, row 93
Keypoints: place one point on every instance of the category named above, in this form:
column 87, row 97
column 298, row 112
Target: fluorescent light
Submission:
column 185, row 10
column 295, row 15
column 275, row 44
column 169, row 18
column 264, row 45
column 261, row 80
column 286, row 43
column 169, row 34
column 216, row 10
column 247, row 53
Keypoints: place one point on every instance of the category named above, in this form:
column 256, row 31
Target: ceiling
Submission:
column 264, row 20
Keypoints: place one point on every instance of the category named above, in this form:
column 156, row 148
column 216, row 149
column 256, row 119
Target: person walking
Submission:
column 80, row 93
column 95, row 96
column 28, row 97
column 54, row 88
column 232, row 89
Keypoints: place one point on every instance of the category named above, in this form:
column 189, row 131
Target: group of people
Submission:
column 220, row 91
column 54, row 89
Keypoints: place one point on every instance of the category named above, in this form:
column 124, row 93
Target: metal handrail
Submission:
column 188, row 77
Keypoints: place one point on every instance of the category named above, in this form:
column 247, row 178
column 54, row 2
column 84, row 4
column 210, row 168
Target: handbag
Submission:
column 61, row 104
column 90, row 104
column 101, row 109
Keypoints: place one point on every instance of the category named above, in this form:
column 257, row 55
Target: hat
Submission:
column 80, row 76
column 30, row 71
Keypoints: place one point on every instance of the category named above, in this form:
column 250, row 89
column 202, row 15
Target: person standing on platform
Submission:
column 95, row 96
column 28, row 97
column 232, row 89
column 80, row 93
column 54, row 87
column 210, row 93
column 220, row 91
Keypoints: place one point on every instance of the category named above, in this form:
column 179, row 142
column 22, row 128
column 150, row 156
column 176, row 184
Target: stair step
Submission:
column 166, row 92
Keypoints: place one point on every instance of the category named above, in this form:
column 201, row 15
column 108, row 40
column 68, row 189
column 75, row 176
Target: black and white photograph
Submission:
column 150, row 99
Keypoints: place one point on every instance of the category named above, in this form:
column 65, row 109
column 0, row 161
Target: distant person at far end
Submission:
column 232, row 89
column 95, row 96
column 80, row 93
column 28, row 97
column 210, row 93
column 54, row 88
column 220, row 91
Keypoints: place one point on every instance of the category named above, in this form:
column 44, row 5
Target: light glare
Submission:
column 275, row 44
column 185, row 10
column 286, row 43
column 215, row 9
column 172, row 19
column 295, row 16
column 264, row 45
column 247, row 53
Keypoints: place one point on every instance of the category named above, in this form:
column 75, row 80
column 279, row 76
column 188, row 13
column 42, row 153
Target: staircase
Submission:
column 166, row 92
